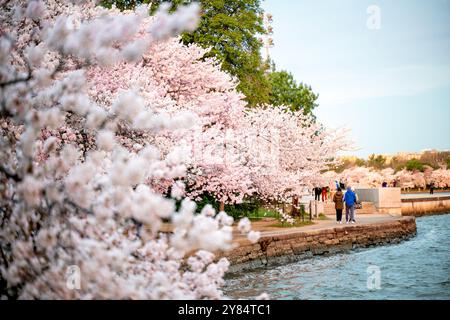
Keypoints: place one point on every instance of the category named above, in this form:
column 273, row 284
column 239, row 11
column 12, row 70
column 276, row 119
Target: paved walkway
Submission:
column 403, row 196
column 424, row 195
column 267, row 230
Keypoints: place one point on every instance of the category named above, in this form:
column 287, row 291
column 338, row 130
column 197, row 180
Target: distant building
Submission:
column 402, row 156
column 408, row 155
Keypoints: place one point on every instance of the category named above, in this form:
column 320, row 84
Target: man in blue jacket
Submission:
column 350, row 200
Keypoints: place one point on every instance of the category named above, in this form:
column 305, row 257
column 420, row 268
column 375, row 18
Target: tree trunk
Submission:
column 294, row 206
column 222, row 206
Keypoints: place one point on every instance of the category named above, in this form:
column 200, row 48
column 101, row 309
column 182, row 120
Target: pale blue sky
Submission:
column 390, row 86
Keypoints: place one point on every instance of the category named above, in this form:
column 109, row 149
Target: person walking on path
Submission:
column 317, row 192
column 338, row 200
column 350, row 200
column 324, row 194
column 432, row 187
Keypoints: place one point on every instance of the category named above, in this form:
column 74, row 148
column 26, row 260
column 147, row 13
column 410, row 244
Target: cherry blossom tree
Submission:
column 74, row 192
column 174, row 78
column 228, row 155
column 441, row 178
column 287, row 151
column 364, row 177
column 102, row 113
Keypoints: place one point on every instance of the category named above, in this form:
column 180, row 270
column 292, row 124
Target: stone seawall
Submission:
column 276, row 248
column 425, row 206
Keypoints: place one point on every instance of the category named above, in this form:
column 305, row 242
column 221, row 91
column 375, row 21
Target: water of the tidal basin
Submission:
column 415, row 269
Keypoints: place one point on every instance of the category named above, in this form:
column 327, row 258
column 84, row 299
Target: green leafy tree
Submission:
column 377, row 162
column 360, row 162
column 397, row 164
column 230, row 28
column 286, row 91
column 435, row 159
column 414, row 165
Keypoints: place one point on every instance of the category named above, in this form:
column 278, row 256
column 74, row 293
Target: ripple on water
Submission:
column 414, row 269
